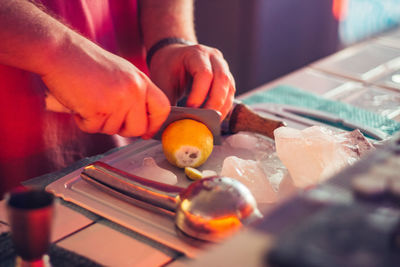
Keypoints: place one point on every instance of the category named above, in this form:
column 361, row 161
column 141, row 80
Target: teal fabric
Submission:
column 288, row 95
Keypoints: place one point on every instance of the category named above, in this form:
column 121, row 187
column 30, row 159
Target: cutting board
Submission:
column 137, row 216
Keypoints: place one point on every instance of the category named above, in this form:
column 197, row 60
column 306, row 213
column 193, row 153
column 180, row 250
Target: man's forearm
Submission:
column 29, row 36
column 166, row 18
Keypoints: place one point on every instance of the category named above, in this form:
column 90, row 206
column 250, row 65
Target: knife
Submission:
column 240, row 118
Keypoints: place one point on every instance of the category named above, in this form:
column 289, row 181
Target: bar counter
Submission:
column 365, row 75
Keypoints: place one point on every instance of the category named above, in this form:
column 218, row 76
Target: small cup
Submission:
column 30, row 213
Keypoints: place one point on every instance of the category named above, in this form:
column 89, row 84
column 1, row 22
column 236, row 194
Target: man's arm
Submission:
column 175, row 66
column 106, row 93
column 166, row 18
column 29, row 37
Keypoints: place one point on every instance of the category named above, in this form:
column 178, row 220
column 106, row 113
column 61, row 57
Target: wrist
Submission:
column 164, row 43
column 69, row 51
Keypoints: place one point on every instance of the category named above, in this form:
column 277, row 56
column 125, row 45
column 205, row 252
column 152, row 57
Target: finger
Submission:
column 114, row 122
column 92, row 124
column 221, row 85
column 135, row 123
column 199, row 67
column 228, row 103
column 158, row 108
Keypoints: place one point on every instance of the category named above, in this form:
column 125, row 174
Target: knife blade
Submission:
column 211, row 118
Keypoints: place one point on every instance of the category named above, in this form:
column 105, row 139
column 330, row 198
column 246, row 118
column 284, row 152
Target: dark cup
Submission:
column 30, row 213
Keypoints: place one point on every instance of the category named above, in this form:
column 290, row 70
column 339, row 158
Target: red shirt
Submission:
column 34, row 141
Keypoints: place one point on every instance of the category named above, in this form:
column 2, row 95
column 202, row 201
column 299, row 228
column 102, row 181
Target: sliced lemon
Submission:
column 193, row 174
column 187, row 143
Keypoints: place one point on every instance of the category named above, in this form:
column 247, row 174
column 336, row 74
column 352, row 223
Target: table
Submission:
column 368, row 71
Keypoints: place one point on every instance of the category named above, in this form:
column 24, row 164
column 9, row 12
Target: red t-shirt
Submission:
column 34, row 141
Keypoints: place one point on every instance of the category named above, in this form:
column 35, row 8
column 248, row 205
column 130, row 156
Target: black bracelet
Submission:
column 163, row 43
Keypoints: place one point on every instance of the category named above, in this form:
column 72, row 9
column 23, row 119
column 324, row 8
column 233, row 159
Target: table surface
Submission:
column 367, row 68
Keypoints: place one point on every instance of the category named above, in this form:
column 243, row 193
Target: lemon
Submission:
column 187, row 143
column 193, row 174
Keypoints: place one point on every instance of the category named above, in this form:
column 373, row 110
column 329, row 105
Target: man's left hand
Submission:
column 174, row 67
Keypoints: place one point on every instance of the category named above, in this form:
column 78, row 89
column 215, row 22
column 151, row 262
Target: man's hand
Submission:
column 173, row 68
column 106, row 93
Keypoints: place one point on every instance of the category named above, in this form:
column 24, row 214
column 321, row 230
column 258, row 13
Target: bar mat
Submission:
column 288, row 95
column 58, row 256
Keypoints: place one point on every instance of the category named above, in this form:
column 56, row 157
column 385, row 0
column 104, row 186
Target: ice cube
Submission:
column 242, row 140
column 251, row 175
column 316, row 153
column 150, row 170
column 250, row 141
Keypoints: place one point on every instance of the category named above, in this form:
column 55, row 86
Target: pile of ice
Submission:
column 316, row 153
column 310, row 156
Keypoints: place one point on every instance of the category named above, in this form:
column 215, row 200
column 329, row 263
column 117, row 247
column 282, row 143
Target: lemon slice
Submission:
column 193, row 174
column 187, row 143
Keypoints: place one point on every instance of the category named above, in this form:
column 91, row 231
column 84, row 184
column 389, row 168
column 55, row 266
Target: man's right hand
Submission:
column 107, row 93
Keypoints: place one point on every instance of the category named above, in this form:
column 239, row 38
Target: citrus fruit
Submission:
column 193, row 174
column 187, row 143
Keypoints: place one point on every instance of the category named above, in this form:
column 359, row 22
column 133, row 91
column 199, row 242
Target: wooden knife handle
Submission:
column 243, row 118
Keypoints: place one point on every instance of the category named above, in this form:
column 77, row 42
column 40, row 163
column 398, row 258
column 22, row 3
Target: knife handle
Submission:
column 243, row 118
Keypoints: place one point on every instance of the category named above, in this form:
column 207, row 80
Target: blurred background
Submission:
column 265, row 39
